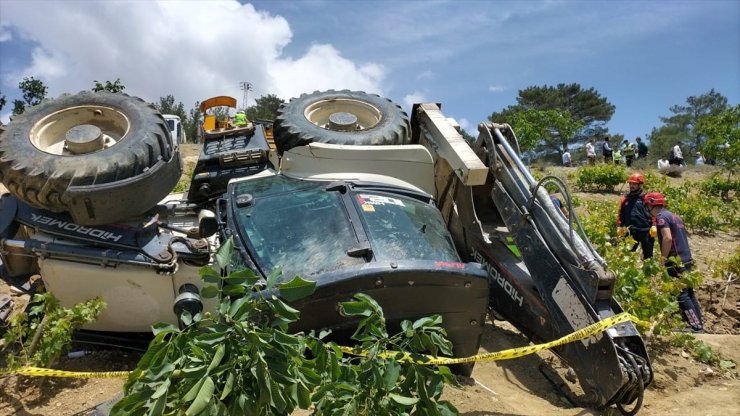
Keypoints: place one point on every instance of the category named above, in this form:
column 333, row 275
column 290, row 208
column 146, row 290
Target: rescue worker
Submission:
column 633, row 218
column 674, row 242
column 628, row 151
column 240, row 120
column 642, row 149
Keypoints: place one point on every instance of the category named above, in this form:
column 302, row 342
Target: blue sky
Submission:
column 471, row 56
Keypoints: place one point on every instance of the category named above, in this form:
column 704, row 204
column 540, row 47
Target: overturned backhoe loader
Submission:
column 343, row 189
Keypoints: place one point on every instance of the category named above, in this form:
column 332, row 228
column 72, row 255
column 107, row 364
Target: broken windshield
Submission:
column 401, row 228
column 305, row 229
column 296, row 225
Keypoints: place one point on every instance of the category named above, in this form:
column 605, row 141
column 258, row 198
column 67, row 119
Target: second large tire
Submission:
column 101, row 157
column 340, row 117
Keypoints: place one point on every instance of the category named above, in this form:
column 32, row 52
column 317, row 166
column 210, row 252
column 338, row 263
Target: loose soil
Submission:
column 511, row 387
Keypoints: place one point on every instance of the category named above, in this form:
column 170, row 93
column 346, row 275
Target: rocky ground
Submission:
column 512, row 387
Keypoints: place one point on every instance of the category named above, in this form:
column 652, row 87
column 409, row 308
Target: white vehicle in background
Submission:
column 175, row 125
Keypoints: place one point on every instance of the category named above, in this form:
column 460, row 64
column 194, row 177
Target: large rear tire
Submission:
column 102, row 157
column 340, row 117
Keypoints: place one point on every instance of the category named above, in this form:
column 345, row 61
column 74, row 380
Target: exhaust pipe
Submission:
column 188, row 300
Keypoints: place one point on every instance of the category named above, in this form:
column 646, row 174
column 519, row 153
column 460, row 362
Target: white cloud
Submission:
column 496, row 88
column 464, row 123
column 322, row 68
column 5, row 34
column 192, row 50
column 414, row 98
column 425, row 75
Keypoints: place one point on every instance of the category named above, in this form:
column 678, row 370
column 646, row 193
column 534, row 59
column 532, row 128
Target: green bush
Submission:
column 40, row 336
column 720, row 186
column 600, row 177
column 728, row 267
column 701, row 212
column 244, row 361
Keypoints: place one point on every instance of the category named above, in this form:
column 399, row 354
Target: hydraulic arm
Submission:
column 545, row 276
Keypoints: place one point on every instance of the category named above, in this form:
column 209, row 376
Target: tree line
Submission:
column 544, row 117
column 555, row 117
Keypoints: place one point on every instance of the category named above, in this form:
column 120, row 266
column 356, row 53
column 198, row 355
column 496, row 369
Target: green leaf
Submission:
column 239, row 307
column 158, row 406
column 205, row 394
column 407, row 328
column 209, row 292
column 406, row 401
column 428, row 321
column 217, row 357
column 209, row 275
column 284, row 313
column 304, row 395
column 193, row 392
column 273, row 277
column 225, row 253
column 354, row 308
column 239, row 277
column 446, row 408
column 162, row 389
column 186, row 318
column 228, row 386
column 391, row 375
column 130, row 403
column 297, row 288
column 161, row 327
column 234, row 290
column 159, row 372
column 211, row 338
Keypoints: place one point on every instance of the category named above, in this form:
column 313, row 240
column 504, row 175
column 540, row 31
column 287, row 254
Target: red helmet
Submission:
column 636, row 178
column 654, row 198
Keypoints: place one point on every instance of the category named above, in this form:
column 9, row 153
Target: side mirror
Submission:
column 207, row 223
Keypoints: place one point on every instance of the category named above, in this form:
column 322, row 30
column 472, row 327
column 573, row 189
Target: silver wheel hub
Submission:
column 79, row 130
column 342, row 121
column 84, row 138
column 343, row 114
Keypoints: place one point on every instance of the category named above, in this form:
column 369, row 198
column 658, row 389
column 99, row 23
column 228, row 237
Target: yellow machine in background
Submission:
column 216, row 123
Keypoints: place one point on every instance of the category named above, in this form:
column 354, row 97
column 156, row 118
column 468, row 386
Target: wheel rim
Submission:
column 79, row 130
column 343, row 114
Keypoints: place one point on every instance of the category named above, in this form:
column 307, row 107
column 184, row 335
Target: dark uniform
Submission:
column 690, row 309
column 642, row 150
column 634, row 215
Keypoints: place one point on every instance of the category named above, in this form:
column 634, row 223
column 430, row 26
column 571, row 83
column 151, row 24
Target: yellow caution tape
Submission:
column 580, row 334
column 47, row 372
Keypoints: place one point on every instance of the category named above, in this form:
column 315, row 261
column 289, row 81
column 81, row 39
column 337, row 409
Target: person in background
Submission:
column 676, row 155
column 616, row 156
column 699, row 159
column 607, row 150
column 642, row 149
column 663, row 164
column 633, row 218
column 674, row 243
column 566, row 159
column 558, row 203
column 628, row 151
column 591, row 151
column 240, row 120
